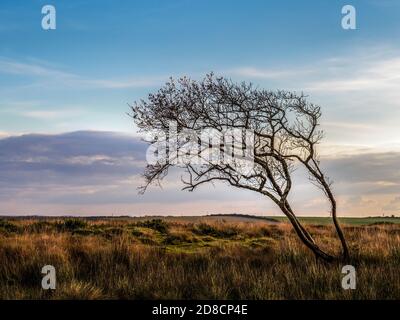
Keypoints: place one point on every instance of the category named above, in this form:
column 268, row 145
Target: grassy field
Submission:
column 217, row 257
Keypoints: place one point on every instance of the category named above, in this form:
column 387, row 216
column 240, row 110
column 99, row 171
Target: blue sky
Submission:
column 106, row 54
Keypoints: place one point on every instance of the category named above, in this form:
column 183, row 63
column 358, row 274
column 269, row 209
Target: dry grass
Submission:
column 117, row 259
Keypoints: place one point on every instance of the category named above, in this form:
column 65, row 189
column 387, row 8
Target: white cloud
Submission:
column 259, row 73
column 44, row 74
column 375, row 75
column 9, row 66
column 50, row 114
column 4, row 134
column 357, row 90
column 355, row 71
column 123, row 83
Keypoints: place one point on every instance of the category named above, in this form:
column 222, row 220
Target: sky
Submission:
column 67, row 145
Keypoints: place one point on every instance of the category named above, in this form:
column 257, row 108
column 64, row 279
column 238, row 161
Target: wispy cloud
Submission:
column 51, row 114
column 10, row 66
column 139, row 82
column 374, row 75
column 40, row 72
column 357, row 90
column 379, row 69
column 4, row 134
column 260, row 73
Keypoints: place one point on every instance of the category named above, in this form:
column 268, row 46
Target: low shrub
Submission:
column 155, row 224
column 7, row 227
column 71, row 225
column 209, row 230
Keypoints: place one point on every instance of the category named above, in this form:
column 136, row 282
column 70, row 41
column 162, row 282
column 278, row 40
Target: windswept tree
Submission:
column 285, row 133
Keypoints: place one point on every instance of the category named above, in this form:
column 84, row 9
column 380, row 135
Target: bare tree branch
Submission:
column 286, row 133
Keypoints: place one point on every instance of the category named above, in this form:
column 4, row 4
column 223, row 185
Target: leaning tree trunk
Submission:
column 304, row 236
column 339, row 231
column 326, row 188
column 306, row 233
column 329, row 194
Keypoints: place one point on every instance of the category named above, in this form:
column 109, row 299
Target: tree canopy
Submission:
column 283, row 128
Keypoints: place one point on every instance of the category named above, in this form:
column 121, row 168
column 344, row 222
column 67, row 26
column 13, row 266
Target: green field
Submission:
column 231, row 218
column 348, row 221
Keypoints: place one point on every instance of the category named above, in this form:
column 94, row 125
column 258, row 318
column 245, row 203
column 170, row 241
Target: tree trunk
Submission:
column 306, row 233
column 339, row 231
column 325, row 186
column 305, row 237
column 346, row 255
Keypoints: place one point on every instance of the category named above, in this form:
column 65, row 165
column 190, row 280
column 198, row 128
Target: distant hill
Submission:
column 234, row 217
